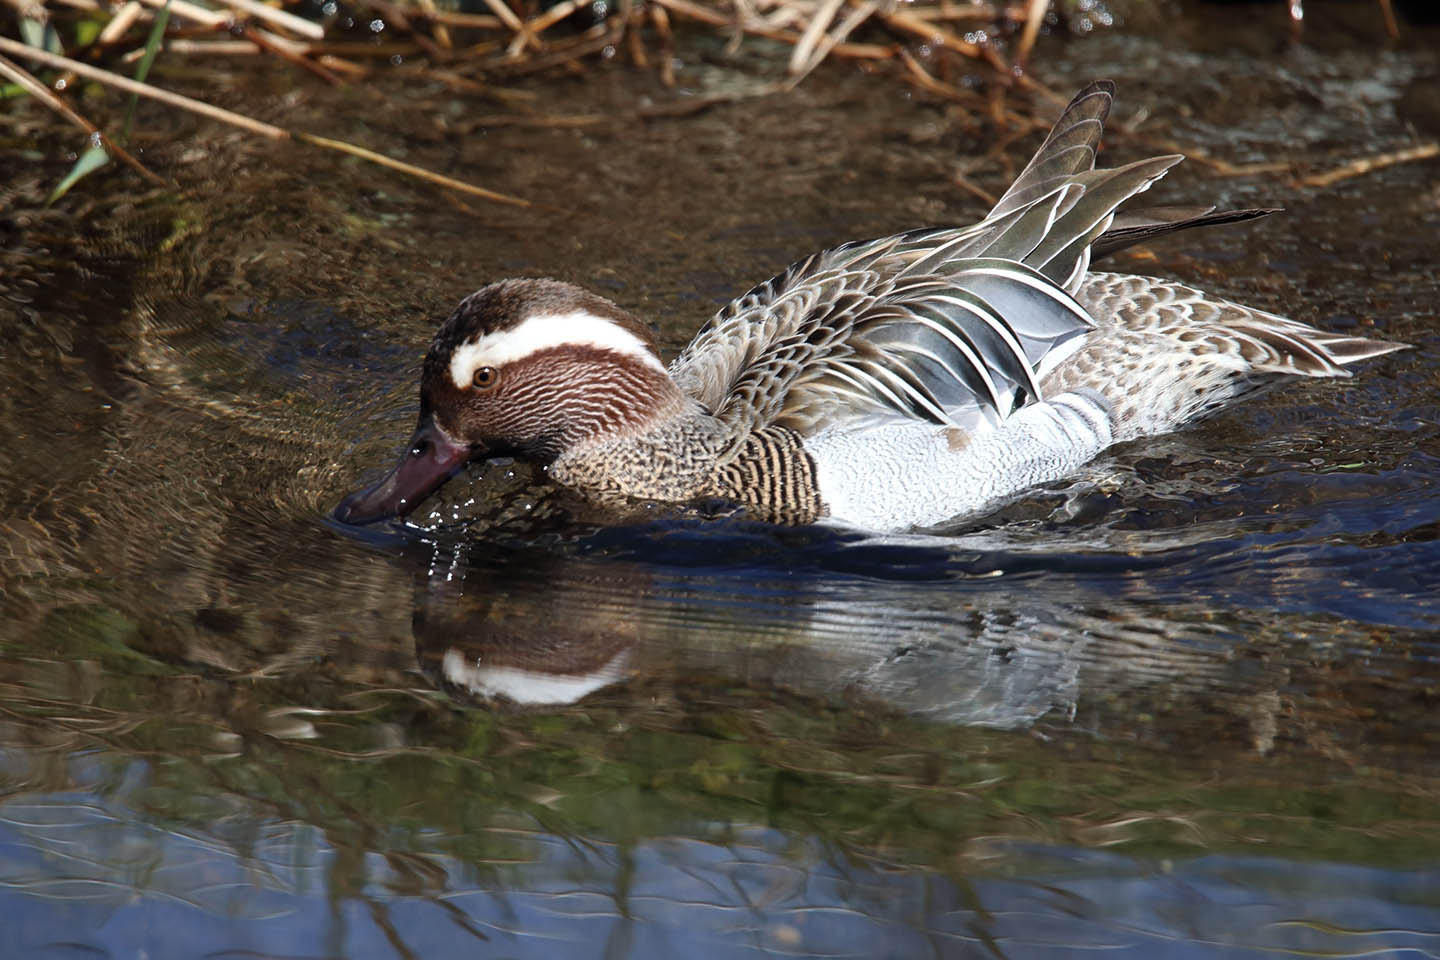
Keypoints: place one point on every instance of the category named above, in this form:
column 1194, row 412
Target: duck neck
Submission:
column 626, row 401
column 670, row 455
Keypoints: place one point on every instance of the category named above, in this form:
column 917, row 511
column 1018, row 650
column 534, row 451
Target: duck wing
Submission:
column 857, row 334
column 956, row 326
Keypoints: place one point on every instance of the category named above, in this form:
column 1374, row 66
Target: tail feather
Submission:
column 1140, row 226
column 1068, row 150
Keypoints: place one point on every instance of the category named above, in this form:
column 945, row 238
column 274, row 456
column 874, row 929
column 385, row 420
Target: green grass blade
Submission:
column 91, row 160
column 152, row 47
column 40, row 34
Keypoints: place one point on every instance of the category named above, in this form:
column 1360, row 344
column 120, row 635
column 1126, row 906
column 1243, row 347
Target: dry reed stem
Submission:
column 926, row 81
column 948, row 11
column 555, row 14
column 561, row 121
column 506, row 15
column 20, row 50
column 1355, row 168
column 184, row 46
column 969, row 186
column 661, row 20
column 244, row 122
column 856, row 51
column 278, row 18
column 363, row 49
column 288, row 53
column 189, row 11
column 634, row 41
column 512, row 22
column 409, row 168
column 341, row 65
column 123, row 20
column 477, row 21
column 857, row 16
column 1387, row 12
column 1034, row 18
column 329, row 54
column 204, row 48
column 259, row 42
column 442, row 33
column 42, row 93
column 824, row 15
column 693, row 105
column 1221, row 168
column 907, row 22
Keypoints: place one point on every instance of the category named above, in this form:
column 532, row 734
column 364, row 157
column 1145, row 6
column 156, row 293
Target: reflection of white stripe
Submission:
column 541, row 332
column 530, row 686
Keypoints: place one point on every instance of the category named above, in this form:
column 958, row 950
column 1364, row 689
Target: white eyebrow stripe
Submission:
column 540, row 332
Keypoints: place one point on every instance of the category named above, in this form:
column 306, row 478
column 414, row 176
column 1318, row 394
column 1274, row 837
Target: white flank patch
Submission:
column 541, row 333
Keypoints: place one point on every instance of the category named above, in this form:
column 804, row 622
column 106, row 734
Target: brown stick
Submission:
column 661, row 19
column 858, row 51
column 820, row 21
column 1222, row 168
column 190, row 11
column 1388, row 13
column 925, row 81
column 453, row 18
column 931, row 33
column 299, row 59
column 555, row 14
column 279, row 18
column 246, row 123
column 635, row 41
column 123, row 20
column 24, row 52
column 409, row 168
column 40, row 92
column 1364, row 165
column 442, row 33
column 836, row 37
column 341, row 65
column 947, row 11
column 1034, row 17
column 696, row 12
column 968, row 185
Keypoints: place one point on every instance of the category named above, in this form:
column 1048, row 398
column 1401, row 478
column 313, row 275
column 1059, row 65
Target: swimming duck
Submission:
column 887, row 384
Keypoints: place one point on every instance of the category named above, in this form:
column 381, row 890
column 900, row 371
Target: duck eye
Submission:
column 485, row 378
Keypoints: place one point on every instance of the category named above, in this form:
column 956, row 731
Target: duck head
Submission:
column 522, row 368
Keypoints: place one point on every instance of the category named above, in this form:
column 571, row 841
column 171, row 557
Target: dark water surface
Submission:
column 1184, row 705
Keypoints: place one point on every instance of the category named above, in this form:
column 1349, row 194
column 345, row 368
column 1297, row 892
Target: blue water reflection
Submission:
column 83, row 877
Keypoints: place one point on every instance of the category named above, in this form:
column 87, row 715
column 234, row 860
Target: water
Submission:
column 1182, row 704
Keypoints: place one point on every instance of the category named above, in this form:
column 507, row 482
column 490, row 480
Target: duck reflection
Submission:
column 989, row 637
column 485, row 627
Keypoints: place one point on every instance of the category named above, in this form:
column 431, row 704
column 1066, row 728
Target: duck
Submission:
column 891, row 385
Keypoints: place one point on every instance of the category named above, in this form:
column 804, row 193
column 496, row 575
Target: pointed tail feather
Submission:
column 1140, row 226
column 1068, row 150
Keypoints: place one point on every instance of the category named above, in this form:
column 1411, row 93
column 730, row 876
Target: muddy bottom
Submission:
column 1182, row 704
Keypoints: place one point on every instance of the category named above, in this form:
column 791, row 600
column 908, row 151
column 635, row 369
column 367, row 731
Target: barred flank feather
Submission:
column 773, row 477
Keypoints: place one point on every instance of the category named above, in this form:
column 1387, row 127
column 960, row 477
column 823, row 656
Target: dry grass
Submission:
column 951, row 39
column 930, row 44
column 940, row 47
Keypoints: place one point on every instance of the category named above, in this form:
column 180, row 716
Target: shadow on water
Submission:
column 1182, row 704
